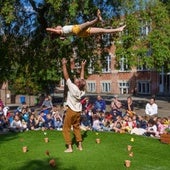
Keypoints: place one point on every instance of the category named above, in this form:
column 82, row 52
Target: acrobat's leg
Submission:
column 91, row 23
column 95, row 30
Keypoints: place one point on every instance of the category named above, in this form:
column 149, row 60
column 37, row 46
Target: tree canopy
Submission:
column 30, row 57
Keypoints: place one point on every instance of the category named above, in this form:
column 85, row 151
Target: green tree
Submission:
column 34, row 56
column 146, row 41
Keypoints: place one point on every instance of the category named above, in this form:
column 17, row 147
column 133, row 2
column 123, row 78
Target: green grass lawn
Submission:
column 149, row 153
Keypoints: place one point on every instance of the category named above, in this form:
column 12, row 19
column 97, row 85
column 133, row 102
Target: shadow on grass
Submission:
column 84, row 135
column 44, row 165
column 8, row 136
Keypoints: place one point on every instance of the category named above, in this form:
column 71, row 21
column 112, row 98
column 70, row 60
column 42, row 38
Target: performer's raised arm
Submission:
column 64, row 67
column 83, row 63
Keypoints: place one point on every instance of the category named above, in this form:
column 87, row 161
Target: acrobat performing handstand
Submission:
column 85, row 29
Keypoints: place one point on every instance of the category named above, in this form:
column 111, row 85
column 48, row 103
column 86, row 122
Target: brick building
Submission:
column 113, row 81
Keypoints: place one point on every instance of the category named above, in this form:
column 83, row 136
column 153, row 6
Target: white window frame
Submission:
column 123, row 66
column 90, row 67
column 145, row 28
column 107, row 69
column 91, row 86
column 123, row 86
column 106, row 86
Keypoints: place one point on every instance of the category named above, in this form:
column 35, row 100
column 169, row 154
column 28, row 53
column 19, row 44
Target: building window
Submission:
column 123, row 64
column 124, row 87
column 107, row 64
column 143, row 87
column 145, row 28
column 90, row 67
column 164, row 83
column 106, row 40
column 141, row 66
column 106, row 87
column 91, row 87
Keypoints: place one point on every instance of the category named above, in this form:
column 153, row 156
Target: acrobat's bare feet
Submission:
column 62, row 38
column 80, row 148
column 99, row 15
column 68, row 151
column 121, row 28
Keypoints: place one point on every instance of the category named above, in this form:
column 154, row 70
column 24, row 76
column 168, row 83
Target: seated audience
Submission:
column 86, row 104
column 16, row 124
column 116, row 106
column 49, row 122
column 151, row 108
column 4, row 123
column 129, row 106
column 32, row 124
column 58, row 121
column 40, row 121
column 97, row 124
column 152, row 129
column 47, row 103
column 100, row 105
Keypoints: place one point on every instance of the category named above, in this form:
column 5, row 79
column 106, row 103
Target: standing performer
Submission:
column 73, row 113
column 84, row 29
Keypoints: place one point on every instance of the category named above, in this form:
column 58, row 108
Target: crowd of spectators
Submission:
column 95, row 116
column 47, row 116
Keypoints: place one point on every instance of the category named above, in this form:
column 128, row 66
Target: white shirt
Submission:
column 15, row 124
column 96, row 124
column 67, row 29
column 152, row 128
column 74, row 96
column 151, row 109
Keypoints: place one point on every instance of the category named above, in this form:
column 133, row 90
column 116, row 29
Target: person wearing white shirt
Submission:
column 73, row 112
column 151, row 108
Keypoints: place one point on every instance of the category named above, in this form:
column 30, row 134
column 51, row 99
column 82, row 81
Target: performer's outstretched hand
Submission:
column 99, row 15
column 83, row 63
column 122, row 28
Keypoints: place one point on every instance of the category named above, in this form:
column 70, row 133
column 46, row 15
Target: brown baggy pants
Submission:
column 72, row 118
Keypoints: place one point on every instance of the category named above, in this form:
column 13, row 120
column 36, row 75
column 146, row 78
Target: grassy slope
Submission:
column 109, row 154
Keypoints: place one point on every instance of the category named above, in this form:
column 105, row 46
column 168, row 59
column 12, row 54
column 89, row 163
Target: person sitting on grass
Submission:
column 116, row 107
column 117, row 125
column 97, row 124
column 4, row 124
column 40, row 121
column 47, row 103
column 151, row 108
column 100, row 105
column 152, row 129
column 16, row 125
column 49, row 122
column 58, row 121
column 31, row 125
column 161, row 124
